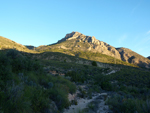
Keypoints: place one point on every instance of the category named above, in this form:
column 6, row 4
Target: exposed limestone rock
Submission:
column 63, row 47
column 89, row 48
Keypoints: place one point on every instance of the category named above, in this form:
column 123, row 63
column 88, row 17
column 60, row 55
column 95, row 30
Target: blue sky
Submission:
column 120, row 23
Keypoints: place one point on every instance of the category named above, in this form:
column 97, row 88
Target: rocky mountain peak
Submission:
column 69, row 36
column 72, row 34
column 76, row 42
column 80, row 37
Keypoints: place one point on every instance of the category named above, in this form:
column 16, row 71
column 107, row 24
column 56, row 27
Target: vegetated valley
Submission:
column 55, row 80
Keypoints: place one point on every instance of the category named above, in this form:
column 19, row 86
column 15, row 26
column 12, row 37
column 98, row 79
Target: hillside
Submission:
column 75, row 56
column 132, row 57
column 77, row 44
column 148, row 57
column 9, row 44
column 87, row 47
column 85, row 58
column 52, row 82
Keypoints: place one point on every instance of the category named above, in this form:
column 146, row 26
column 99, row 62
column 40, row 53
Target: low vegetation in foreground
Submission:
column 26, row 88
column 132, row 91
column 129, row 87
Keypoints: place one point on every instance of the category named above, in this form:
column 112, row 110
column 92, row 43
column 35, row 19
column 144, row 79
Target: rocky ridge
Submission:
column 91, row 42
column 79, row 41
column 76, row 42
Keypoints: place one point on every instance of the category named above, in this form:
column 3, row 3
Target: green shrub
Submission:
column 14, row 99
column 5, row 70
column 60, row 81
column 75, row 76
column 106, row 86
column 121, row 104
column 70, row 85
column 103, row 82
column 59, row 97
column 146, row 106
column 13, row 53
column 94, row 63
column 40, row 100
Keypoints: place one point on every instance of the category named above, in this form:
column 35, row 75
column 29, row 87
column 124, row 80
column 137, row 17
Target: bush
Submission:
column 5, row 70
column 94, row 63
column 75, row 76
column 59, row 97
column 40, row 100
column 121, row 104
column 13, row 53
column 14, row 99
column 106, row 86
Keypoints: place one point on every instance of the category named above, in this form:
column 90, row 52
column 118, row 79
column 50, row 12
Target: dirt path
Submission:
column 82, row 103
column 98, row 105
column 94, row 105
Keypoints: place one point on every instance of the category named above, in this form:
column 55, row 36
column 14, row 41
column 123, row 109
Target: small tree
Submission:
column 94, row 63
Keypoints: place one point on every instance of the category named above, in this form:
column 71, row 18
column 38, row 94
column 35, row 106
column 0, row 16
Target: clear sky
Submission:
column 120, row 23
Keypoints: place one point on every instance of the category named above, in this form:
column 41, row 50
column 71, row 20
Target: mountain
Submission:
column 87, row 47
column 148, row 57
column 30, row 47
column 88, row 43
column 77, row 44
column 9, row 44
column 130, row 56
column 52, row 77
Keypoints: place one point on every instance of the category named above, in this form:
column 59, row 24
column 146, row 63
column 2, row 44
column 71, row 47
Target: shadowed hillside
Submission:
column 85, row 58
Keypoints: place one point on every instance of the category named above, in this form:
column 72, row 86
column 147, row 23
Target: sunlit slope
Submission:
column 9, row 44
